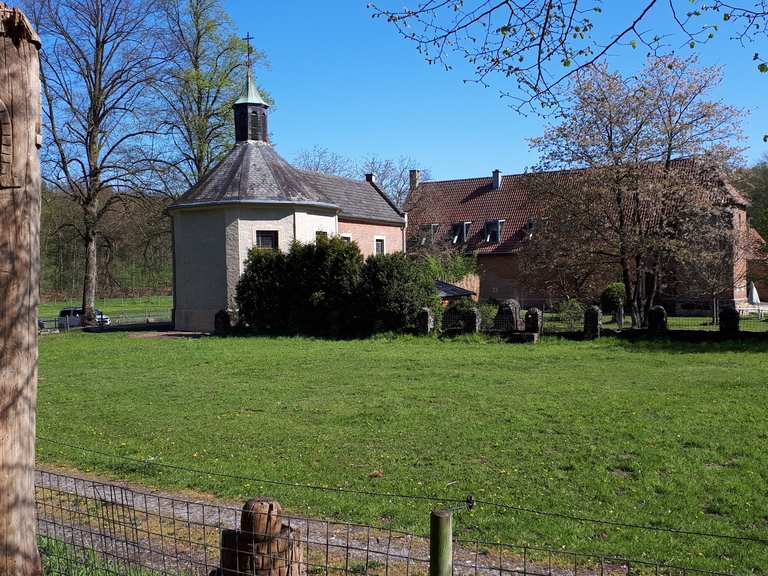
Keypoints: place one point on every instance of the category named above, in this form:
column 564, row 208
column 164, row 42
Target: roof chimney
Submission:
column 415, row 179
column 496, row 179
column 370, row 178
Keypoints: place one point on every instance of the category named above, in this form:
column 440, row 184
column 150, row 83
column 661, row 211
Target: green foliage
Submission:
column 325, row 288
column 450, row 266
column 393, row 291
column 488, row 313
column 612, row 297
column 61, row 559
column 755, row 185
column 261, row 291
column 308, row 290
column 321, row 282
column 572, row 313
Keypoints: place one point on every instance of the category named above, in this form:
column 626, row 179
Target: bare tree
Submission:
column 540, row 44
column 320, row 159
column 642, row 204
column 392, row 174
column 200, row 88
column 100, row 58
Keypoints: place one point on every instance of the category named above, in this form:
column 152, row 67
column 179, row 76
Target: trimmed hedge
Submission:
column 326, row 288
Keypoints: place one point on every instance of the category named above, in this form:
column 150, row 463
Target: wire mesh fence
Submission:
column 67, row 323
column 91, row 527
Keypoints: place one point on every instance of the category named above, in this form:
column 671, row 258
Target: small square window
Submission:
column 266, row 239
column 379, row 246
column 346, row 238
column 321, row 234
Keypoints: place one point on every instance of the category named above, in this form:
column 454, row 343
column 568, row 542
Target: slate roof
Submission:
column 446, row 290
column 254, row 173
column 474, row 200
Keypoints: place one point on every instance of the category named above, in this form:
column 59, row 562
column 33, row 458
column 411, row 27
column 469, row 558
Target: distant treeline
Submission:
column 134, row 248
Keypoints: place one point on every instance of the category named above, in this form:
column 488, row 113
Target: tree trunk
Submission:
column 89, row 279
column 19, row 269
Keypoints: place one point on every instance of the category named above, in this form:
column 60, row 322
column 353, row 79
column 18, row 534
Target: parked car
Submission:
column 70, row 317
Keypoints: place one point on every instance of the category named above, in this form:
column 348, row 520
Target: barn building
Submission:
column 254, row 198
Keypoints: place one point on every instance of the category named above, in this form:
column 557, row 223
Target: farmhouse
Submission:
column 495, row 216
column 254, row 198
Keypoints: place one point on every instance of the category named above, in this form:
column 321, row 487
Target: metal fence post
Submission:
column 441, row 543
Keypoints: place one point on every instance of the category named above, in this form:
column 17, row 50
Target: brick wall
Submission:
column 365, row 235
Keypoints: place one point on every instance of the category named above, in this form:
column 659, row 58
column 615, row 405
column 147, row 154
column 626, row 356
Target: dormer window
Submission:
column 493, row 230
column 460, row 232
column 428, row 234
column 530, row 227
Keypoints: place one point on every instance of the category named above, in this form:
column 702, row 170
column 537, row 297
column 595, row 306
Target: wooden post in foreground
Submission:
column 19, row 266
column 441, row 543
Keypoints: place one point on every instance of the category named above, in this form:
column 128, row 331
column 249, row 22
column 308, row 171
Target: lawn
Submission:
column 115, row 307
column 670, row 435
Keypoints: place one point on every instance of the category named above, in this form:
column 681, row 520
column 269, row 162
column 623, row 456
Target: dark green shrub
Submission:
column 307, row 291
column 393, row 290
column 612, row 297
column 322, row 279
column 261, row 290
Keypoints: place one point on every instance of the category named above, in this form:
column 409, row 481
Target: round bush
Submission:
column 393, row 290
column 612, row 297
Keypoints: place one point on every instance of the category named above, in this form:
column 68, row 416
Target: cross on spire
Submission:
column 248, row 39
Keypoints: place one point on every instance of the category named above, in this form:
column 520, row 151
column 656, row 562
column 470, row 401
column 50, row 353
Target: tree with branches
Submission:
column 645, row 191
column 198, row 91
column 100, row 59
column 541, row 44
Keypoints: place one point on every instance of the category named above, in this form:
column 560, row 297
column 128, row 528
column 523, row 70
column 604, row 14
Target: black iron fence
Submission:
column 91, row 527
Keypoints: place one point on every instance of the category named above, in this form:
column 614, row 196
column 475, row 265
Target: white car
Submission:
column 70, row 317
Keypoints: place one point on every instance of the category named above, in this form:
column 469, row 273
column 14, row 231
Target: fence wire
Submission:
column 91, row 527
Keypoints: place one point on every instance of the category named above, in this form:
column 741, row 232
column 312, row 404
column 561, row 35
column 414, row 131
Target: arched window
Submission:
column 6, row 147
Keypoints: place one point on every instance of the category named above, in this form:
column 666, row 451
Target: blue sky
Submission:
column 350, row 83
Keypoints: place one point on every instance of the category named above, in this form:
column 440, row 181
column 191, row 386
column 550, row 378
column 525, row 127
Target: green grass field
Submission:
column 114, row 307
column 670, row 435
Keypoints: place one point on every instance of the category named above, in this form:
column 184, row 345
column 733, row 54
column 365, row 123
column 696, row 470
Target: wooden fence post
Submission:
column 19, row 267
column 441, row 543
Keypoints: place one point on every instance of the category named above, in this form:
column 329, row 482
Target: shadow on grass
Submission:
column 692, row 341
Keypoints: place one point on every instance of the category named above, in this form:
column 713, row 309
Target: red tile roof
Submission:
column 474, row 200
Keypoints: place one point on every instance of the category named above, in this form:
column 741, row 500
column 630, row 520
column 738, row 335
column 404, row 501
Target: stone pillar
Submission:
column 618, row 316
column 474, row 321
column 534, row 321
column 593, row 321
column 509, row 317
column 425, row 322
column 657, row 321
column 729, row 321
